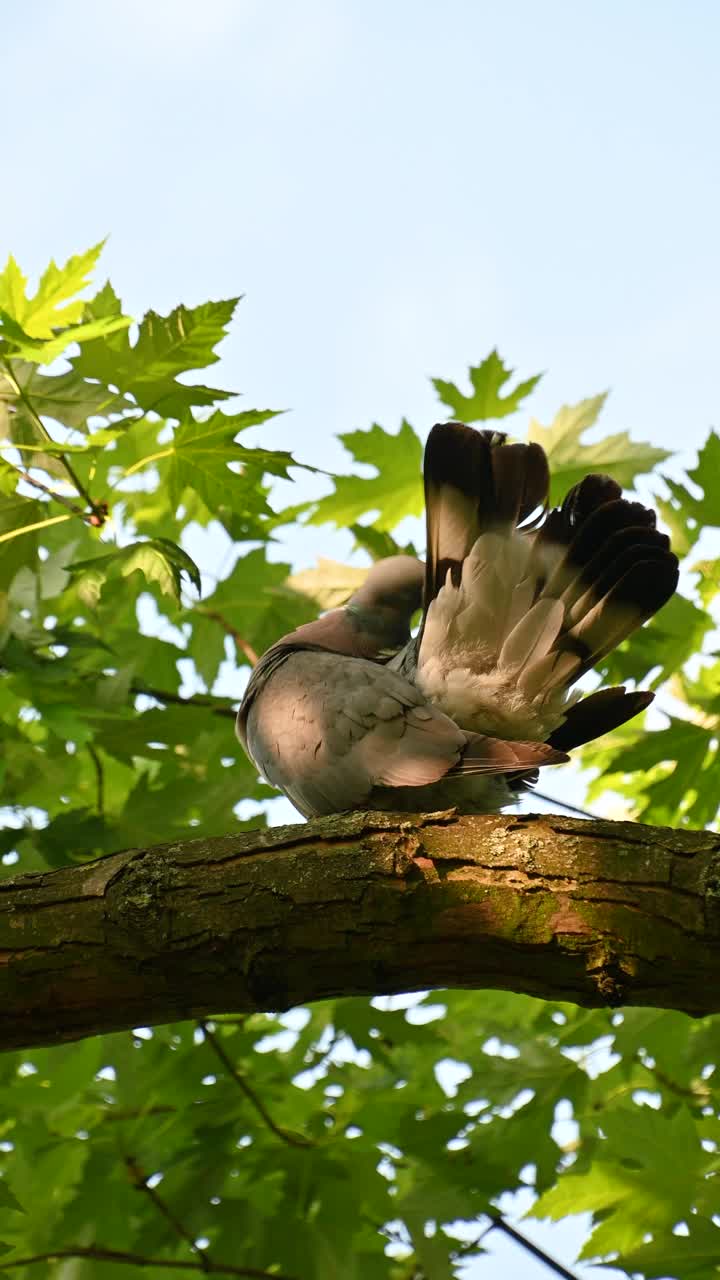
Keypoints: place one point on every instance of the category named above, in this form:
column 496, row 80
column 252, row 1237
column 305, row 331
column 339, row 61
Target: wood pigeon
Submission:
column 351, row 711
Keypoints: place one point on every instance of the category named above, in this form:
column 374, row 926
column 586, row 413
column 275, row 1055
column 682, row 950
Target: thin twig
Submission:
column 571, row 808
column 292, row 1139
column 101, row 1254
column 51, row 493
column 500, row 1224
column 240, row 641
column 699, row 1092
column 471, row 1245
column 100, row 777
column 140, row 1182
column 95, row 508
column 196, row 699
column 139, row 1113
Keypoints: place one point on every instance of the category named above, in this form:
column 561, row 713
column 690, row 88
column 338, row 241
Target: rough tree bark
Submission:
column 595, row 912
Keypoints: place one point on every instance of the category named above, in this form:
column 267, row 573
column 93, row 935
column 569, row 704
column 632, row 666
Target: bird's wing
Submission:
column 327, row 729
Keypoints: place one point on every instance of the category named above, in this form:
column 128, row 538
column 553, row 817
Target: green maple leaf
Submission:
column 64, row 397
column 570, row 460
column 686, row 514
column 642, row 1179
column 686, row 1257
column 166, row 346
column 706, row 476
column 684, row 744
column 395, row 492
column 15, row 341
column 201, row 454
column 487, row 381
column 51, row 307
column 160, row 561
column 379, row 543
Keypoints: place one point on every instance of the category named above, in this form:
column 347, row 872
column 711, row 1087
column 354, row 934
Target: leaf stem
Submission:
column 151, row 457
column 28, row 528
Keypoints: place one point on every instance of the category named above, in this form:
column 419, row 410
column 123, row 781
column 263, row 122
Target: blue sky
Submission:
column 396, row 186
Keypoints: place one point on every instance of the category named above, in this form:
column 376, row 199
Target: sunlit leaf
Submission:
column 166, row 346
column 617, row 455
column 329, row 584
column 160, row 561
column 55, row 304
column 395, row 492
column 487, row 381
column 201, row 454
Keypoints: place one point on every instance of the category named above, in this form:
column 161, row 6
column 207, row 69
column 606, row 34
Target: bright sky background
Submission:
column 396, row 186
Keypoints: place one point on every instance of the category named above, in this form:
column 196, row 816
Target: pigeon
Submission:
column 354, row 712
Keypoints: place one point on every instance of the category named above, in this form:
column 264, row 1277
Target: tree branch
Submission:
column 38, row 484
column 101, row 1254
column 218, row 706
column 600, row 913
column 499, row 1223
column 243, row 645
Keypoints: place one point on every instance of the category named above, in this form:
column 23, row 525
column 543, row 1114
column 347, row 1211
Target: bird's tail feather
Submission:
column 475, row 482
column 520, row 602
column 598, row 714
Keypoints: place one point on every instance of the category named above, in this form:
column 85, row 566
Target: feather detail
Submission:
column 533, row 635
column 598, row 714
column 495, row 755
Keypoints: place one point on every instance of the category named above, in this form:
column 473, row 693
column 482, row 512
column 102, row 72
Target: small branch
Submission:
column 569, row 808
column 98, row 510
column 101, row 1254
column 140, row 1182
column 240, row 641
column 137, row 1113
column 196, row 700
column 699, row 1092
column 51, row 493
column 470, row 1246
column 292, row 1139
column 500, row 1224
column 100, row 777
